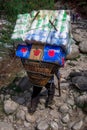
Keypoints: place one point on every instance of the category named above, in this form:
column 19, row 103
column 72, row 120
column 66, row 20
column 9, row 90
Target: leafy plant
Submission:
column 13, row 7
column 83, row 3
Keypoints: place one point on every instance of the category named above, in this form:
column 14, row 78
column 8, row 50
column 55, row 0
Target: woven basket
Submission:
column 39, row 72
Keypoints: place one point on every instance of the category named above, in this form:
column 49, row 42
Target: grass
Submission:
column 6, row 33
column 14, row 7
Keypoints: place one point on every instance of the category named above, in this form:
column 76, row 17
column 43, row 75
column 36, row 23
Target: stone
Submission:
column 26, row 124
column 20, row 100
column 81, row 113
column 85, row 108
column 25, row 109
column 20, row 114
column 80, row 82
column 20, row 128
column 1, row 58
column 23, row 82
column 71, row 102
column 85, row 73
column 27, row 95
column 85, row 119
column 84, row 127
column 77, row 125
column 54, row 125
column 64, row 85
column 70, row 124
column 64, row 108
column 74, row 53
column 54, row 113
column 42, row 101
column 30, row 118
column 52, row 106
column 66, row 118
column 77, row 36
column 19, row 122
column 10, row 117
column 83, row 46
column 41, row 107
column 42, row 125
column 10, row 106
column 6, row 126
column 2, row 97
column 7, row 97
column 72, row 63
column 74, row 74
column 81, row 101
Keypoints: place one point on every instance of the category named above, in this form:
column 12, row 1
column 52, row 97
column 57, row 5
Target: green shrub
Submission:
column 82, row 3
column 13, row 7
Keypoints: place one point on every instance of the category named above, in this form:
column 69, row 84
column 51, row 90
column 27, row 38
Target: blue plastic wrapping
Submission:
column 23, row 51
column 54, row 54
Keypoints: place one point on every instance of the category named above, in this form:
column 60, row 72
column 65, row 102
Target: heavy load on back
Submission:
column 44, row 38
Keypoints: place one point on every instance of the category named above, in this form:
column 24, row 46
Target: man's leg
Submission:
column 34, row 99
column 51, row 91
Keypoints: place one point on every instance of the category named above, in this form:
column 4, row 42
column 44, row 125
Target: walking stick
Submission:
column 58, row 78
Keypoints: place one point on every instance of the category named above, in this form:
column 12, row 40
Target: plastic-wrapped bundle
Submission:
column 44, row 26
column 21, row 27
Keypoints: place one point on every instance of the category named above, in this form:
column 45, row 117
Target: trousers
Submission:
column 36, row 90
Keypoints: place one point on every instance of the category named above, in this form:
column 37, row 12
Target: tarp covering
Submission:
column 53, row 54
column 44, row 26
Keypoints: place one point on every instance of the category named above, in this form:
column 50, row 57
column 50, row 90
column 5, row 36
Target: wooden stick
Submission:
column 58, row 79
column 59, row 87
column 53, row 25
column 35, row 16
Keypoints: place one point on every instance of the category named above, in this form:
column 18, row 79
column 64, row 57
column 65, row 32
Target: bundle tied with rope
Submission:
column 45, row 42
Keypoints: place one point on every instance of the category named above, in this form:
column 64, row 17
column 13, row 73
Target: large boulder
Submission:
column 42, row 125
column 77, row 125
column 81, row 102
column 77, row 37
column 74, row 52
column 80, row 82
column 20, row 115
column 83, row 47
column 10, row 106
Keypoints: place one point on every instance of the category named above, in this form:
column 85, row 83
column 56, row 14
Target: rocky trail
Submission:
column 69, row 112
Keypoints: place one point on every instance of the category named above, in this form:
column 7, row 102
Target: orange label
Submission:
column 36, row 52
